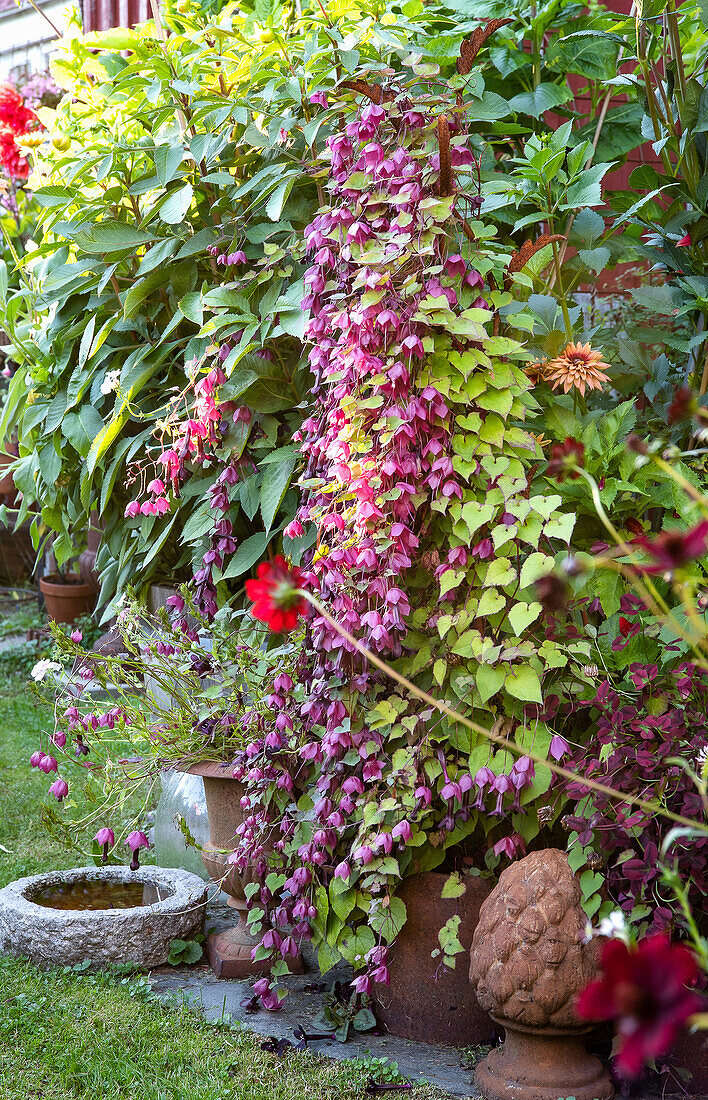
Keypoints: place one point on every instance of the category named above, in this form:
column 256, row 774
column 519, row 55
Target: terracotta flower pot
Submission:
column 426, row 1000
column 229, row 952
column 67, row 599
column 8, row 491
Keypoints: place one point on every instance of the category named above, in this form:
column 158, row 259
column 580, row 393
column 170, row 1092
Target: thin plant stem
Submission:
column 652, row 808
column 58, row 33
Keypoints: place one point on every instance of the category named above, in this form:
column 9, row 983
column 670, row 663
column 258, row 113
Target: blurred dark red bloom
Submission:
column 565, row 457
column 552, row 593
column 643, row 989
column 625, row 626
column 684, row 242
column 636, row 444
column 673, row 549
column 682, row 404
column 275, row 595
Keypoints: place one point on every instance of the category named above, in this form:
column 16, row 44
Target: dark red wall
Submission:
column 100, row 15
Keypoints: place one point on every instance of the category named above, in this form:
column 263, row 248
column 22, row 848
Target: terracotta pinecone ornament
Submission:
column 528, row 962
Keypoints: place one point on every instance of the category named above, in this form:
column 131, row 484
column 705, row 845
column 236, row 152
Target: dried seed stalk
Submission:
column 445, row 178
column 527, row 250
column 374, row 92
column 471, row 46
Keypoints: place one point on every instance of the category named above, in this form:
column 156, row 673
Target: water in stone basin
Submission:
column 94, row 894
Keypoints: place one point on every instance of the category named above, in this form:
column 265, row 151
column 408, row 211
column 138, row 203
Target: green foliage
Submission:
column 340, row 1013
column 159, row 159
column 186, row 952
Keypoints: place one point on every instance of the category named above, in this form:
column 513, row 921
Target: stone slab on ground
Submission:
column 440, row 1065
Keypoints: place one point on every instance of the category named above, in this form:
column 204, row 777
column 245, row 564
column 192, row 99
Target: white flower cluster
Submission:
column 42, row 667
column 702, row 759
column 110, row 382
column 614, row 927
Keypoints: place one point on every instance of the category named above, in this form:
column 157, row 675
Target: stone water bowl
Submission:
column 103, row 914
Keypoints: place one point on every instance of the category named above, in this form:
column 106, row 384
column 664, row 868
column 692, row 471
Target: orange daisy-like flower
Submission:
column 534, row 372
column 578, row 366
column 540, row 438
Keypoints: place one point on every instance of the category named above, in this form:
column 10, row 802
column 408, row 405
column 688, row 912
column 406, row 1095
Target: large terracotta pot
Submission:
column 426, row 1000
column 229, row 952
column 68, row 599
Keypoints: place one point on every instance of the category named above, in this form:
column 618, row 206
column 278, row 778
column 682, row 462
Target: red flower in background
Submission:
column 566, row 458
column 12, row 158
column 643, row 990
column 682, row 405
column 673, row 549
column 15, row 119
column 13, row 112
column 275, row 594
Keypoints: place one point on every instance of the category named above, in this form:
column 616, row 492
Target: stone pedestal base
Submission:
column 229, row 954
column 538, row 1065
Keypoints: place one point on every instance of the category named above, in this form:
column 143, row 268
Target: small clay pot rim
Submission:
column 77, row 587
column 211, row 769
column 581, row 1029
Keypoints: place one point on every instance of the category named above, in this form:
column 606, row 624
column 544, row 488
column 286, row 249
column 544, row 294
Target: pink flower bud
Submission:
column 559, row 747
column 402, row 831
column 60, row 789
column 135, row 841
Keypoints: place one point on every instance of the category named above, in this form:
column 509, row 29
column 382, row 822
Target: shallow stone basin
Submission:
column 172, row 907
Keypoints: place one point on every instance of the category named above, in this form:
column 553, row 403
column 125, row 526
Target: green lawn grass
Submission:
column 66, row 1035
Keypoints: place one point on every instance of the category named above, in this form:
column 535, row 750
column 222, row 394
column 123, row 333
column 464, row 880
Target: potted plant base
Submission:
column 229, row 952
column 426, row 1000
column 68, row 597
column 8, row 491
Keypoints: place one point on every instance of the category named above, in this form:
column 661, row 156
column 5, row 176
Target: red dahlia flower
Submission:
column 13, row 112
column 673, row 549
column 643, row 989
column 12, row 158
column 277, row 600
